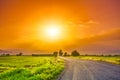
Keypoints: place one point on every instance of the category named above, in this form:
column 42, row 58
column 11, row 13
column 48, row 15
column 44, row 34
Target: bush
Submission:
column 30, row 68
column 75, row 53
column 55, row 54
column 20, row 54
column 65, row 54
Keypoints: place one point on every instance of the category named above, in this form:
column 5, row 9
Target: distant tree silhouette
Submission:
column 60, row 53
column 42, row 54
column 65, row 54
column 20, row 54
column 109, row 55
column 5, row 54
column 8, row 54
column 55, row 53
column 75, row 53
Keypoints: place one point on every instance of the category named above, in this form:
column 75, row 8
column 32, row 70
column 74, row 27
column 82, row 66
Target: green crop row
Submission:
column 30, row 68
column 111, row 59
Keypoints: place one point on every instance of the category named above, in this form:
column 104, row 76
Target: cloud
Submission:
column 83, row 24
column 107, row 41
column 92, row 22
column 107, row 36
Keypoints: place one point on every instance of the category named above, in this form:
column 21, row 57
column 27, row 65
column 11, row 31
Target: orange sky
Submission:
column 89, row 25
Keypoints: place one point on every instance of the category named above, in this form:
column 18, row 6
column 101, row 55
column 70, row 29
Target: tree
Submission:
column 75, row 53
column 65, row 54
column 20, row 54
column 60, row 53
column 55, row 53
column 8, row 54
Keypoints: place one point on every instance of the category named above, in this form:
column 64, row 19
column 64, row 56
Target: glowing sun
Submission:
column 52, row 31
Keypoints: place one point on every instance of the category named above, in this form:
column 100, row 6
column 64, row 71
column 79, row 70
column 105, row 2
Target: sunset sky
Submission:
column 50, row 25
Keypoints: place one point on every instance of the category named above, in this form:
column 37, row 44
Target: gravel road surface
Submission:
column 77, row 69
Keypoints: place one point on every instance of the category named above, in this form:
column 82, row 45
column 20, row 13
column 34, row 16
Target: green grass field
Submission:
column 111, row 59
column 30, row 68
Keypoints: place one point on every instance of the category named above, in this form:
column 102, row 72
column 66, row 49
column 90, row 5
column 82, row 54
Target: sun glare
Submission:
column 52, row 31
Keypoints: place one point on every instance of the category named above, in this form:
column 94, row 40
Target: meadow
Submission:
column 30, row 68
column 110, row 59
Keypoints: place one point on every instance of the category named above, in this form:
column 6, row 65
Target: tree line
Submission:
column 61, row 53
column 56, row 53
column 7, row 54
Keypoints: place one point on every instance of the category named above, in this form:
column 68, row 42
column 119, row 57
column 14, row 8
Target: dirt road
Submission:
column 77, row 69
